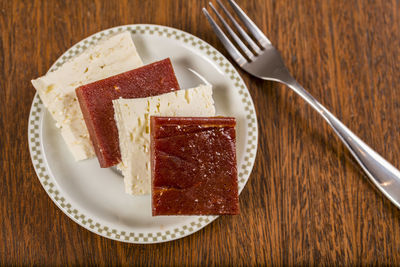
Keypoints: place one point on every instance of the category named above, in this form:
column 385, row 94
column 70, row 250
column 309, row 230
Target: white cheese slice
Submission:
column 56, row 89
column 133, row 121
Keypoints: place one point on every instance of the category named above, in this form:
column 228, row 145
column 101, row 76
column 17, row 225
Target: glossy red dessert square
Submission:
column 193, row 166
column 95, row 100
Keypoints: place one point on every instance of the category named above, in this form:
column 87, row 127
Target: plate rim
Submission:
column 36, row 148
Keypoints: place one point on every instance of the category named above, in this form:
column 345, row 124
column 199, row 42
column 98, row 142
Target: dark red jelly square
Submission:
column 193, row 166
column 95, row 100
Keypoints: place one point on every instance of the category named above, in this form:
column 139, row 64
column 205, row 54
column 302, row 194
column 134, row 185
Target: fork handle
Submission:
column 383, row 174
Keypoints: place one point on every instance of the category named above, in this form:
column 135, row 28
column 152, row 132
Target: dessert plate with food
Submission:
column 143, row 134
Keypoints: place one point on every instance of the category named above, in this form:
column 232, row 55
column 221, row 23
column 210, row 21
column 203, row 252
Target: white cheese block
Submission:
column 133, row 121
column 56, row 89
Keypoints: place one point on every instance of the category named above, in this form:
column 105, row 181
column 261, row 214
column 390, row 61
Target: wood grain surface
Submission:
column 306, row 202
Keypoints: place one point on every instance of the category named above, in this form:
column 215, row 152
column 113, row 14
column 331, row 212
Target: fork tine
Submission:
column 242, row 46
column 239, row 28
column 251, row 26
column 235, row 54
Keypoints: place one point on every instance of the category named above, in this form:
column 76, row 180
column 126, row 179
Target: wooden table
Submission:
column 306, row 202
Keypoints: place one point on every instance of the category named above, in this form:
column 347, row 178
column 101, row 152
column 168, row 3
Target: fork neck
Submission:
column 291, row 82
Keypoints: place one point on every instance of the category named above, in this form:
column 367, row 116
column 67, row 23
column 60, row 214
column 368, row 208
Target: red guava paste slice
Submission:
column 193, row 166
column 95, row 100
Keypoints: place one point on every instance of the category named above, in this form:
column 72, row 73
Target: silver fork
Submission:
column 264, row 61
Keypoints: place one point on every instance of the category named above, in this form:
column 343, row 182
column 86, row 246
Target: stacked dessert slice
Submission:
column 57, row 89
column 96, row 98
column 133, row 120
column 193, row 166
column 164, row 140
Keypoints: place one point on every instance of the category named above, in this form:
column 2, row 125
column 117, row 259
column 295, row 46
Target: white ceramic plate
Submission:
column 94, row 197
